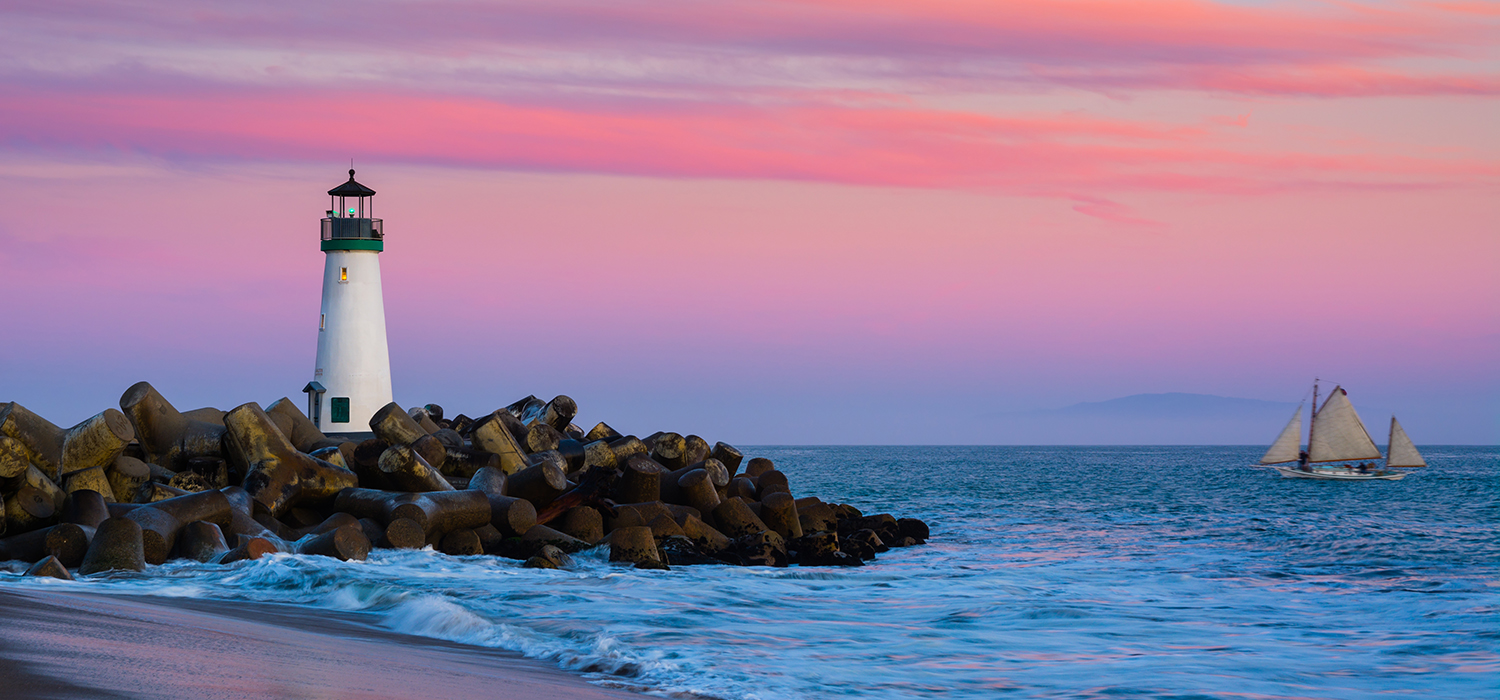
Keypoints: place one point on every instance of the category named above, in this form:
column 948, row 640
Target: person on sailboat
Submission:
column 1302, row 461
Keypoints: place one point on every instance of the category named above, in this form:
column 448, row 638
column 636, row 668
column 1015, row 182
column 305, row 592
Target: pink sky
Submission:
column 805, row 222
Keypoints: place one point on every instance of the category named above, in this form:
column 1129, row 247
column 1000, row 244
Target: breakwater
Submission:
column 147, row 483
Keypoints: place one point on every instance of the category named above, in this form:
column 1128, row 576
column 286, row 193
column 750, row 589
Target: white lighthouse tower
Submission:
column 352, row 379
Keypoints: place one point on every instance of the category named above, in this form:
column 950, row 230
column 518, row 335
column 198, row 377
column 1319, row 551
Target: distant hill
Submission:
column 1151, row 419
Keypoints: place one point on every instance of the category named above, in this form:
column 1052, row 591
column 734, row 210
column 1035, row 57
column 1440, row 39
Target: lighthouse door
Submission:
column 338, row 409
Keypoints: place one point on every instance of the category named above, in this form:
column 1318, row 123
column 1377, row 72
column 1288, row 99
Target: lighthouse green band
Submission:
column 353, row 244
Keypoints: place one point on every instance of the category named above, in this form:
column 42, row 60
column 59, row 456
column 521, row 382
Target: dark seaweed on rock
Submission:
column 145, row 483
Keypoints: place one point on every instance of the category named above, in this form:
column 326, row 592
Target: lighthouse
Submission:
column 352, row 377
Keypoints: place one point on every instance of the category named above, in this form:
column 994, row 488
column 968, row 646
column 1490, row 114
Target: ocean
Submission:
column 1052, row 572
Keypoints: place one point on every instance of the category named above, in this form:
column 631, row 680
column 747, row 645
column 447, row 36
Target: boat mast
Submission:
column 1390, row 440
column 1312, row 420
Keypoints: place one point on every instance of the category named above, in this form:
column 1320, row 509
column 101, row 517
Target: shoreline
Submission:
column 76, row 646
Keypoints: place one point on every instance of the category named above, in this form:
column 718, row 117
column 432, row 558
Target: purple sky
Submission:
column 767, row 222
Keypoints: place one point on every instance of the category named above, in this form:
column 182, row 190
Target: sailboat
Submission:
column 1335, row 434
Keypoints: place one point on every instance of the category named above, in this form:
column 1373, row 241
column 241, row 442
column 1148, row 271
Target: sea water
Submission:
column 1052, row 572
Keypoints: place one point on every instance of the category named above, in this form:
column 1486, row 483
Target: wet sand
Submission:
column 72, row 646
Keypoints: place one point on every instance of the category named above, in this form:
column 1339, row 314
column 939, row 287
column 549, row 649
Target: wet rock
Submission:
column 462, row 543
column 707, row 539
column 403, row 533
column 117, row 544
column 913, row 528
column 868, row 539
column 50, row 567
column 735, row 519
column 883, row 525
column 779, row 512
column 764, row 548
column 160, row 522
column 635, row 545
column 548, row 557
column 526, row 546
column 201, row 541
column 816, row 517
column 680, row 551
column 816, row 549
column 664, row 526
column 249, row 548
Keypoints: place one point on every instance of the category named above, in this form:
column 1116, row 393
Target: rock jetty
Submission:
column 147, row 483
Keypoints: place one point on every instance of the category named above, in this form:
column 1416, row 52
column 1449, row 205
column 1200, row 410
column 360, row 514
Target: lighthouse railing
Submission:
column 346, row 228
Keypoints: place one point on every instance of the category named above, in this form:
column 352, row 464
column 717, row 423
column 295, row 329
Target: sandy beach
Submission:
column 67, row 646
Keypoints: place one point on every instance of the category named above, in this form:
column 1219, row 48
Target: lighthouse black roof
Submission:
column 351, row 188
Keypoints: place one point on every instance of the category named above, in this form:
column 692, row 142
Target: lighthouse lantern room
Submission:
column 352, row 378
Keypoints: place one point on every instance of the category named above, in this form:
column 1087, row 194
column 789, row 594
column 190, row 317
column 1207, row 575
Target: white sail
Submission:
column 1402, row 452
column 1338, row 434
column 1288, row 445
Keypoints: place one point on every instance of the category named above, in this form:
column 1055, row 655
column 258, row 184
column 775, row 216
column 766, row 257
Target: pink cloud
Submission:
column 1095, row 44
column 895, row 146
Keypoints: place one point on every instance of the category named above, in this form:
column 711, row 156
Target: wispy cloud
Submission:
column 881, row 92
column 1147, row 44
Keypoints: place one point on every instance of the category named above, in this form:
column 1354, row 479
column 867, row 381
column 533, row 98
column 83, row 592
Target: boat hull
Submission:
column 1339, row 474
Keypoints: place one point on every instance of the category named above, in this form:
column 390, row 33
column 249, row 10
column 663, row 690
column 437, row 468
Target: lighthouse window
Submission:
column 343, row 274
column 338, row 408
column 322, row 321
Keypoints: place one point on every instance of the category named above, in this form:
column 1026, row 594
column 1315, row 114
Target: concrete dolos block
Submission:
column 42, row 440
column 297, row 427
column 96, row 442
column 52, row 567
column 161, row 521
column 635, row 545
column 90, row 479
column 346, row 543
column 201, row 541
column 116, row 545
column 278, row 476
column 436, row 512
column 68, row 542
column 407, row 470
column 491, row 435
column 396, row 427
column 166, row 436
column 15, row 459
